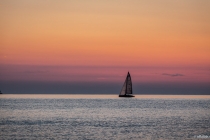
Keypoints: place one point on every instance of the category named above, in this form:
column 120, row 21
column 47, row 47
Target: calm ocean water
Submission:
column 104, row 118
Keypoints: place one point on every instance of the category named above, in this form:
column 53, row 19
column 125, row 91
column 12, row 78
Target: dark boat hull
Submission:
column 128, row 95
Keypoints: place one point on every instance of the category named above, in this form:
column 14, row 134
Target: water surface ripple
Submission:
column 104, row 118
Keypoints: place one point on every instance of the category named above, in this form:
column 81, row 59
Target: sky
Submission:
column 80, row 46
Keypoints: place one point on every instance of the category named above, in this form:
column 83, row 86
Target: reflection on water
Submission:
column 102, row 96
column 104, row 118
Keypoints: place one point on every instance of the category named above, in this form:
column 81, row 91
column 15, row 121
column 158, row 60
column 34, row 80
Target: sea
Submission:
column 104, row 117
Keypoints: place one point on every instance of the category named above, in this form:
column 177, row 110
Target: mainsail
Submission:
column 127, row 86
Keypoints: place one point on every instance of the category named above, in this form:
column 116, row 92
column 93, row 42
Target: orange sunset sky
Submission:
column 71, row 42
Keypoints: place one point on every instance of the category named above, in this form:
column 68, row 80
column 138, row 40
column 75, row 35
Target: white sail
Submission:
column 123, row 91
column 127, row 86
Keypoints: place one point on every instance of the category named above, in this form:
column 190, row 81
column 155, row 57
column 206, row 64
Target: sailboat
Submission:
column 127, row 87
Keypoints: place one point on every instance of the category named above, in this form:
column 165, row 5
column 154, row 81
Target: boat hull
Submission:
column 127, row 95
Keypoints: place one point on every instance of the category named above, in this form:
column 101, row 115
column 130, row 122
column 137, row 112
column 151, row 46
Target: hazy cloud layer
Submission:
column 40, row 87
column 36, row 71
column 173, row 75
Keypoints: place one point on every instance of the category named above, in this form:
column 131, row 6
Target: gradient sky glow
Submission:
column 88, row 46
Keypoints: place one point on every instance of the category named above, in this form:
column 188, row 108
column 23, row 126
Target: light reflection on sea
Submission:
column 104, row 117
column 101, row 96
